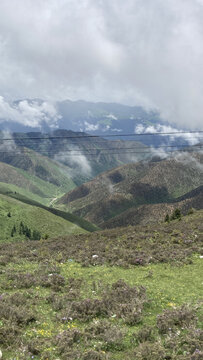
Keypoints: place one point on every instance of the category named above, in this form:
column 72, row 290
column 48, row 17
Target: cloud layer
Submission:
column 191, row 139
column 29, row 113
column 146, row 52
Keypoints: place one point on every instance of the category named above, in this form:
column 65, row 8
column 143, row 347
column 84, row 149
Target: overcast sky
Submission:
column 147, row 52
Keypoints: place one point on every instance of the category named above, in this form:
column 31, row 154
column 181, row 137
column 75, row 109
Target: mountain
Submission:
column 33, row 175
column 153, row 213
column 83, row 156
column 100, row 117
column 113, row 193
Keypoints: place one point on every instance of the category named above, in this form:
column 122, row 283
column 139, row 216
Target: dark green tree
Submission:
column 27, row 232
column 13, row 231
column 22, row 228
column 167, row 218
column 176, row 214
column 36, row 235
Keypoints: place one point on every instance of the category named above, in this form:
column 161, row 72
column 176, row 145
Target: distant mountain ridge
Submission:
column 83, row 116
column 84, row 157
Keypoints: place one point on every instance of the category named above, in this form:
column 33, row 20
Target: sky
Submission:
column 136, row 52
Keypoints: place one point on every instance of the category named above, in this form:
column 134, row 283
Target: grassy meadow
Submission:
column 129, row 293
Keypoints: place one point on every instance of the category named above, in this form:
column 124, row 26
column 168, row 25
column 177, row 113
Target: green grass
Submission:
column 34, row 217
column 10, row 191
column 165, row 284
column 43, row 179
column 168, row 288
column 50, row 276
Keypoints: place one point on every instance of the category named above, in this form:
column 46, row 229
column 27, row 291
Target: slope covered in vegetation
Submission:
column 14, row 212
column 128, row 294
column 154, row 182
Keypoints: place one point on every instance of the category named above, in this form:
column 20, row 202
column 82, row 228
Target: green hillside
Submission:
column 38, row 165
column 13, row 212
column 23, row 182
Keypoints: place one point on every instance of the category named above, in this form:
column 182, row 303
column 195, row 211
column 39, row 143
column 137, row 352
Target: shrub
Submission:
column 176, row 214
column 93, row 355
column 149, row 351
column 170, row 319
column 67, row 339
column 144, row 334
column 167, row 218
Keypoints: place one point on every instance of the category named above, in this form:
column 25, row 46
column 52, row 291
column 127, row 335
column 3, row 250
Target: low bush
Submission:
column 172, row 319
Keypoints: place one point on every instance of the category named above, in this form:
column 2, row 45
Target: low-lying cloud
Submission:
column 75, row 159
column 5, row 144
column 192, row 138
column 27, row 113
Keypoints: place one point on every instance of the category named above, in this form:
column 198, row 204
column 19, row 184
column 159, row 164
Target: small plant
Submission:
column 172, row 319
column 190, row 211
column 149, row 351
column 145, row 334
column 93, row 355
column 45, row 236
column 67, row 339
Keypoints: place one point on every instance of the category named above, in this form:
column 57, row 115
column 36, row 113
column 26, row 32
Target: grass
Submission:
column 161, row 290
column 34, row 217
column 60, row 301
column 82, row 223
column 11, row 190
column 43, row 182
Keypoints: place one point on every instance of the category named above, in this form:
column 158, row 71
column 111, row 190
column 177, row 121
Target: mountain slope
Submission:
column 132, row 185
column 82, row 223
column 84, row 157
column 36, row 164
column 13, row 212
column 25, row 183
column 151, row 213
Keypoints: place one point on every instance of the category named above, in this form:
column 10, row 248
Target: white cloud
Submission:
column 90, row 127
column 111, row 116
column 190, row 138
column 189, row 160
column 5, row 144
column 76, row 159
column 134, row 51
column 29, row 113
